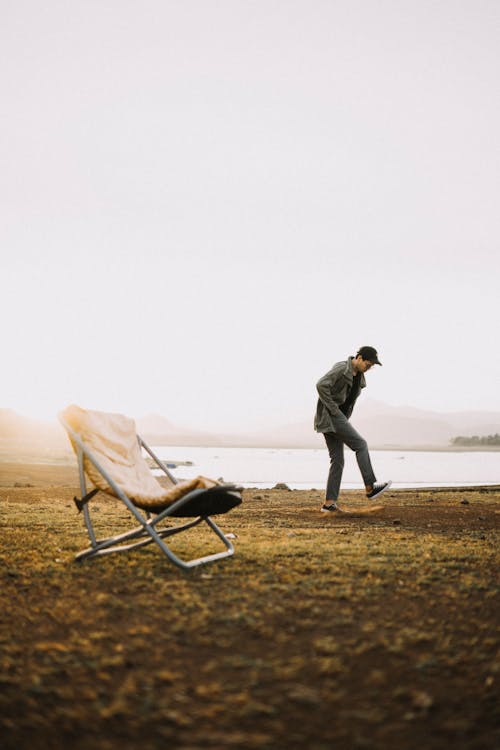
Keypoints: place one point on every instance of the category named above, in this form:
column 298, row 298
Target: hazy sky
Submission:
column 204, row 205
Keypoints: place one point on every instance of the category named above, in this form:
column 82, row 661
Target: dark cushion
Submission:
column 211, row 502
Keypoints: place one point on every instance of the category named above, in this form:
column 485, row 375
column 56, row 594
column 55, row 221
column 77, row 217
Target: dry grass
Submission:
column 351, row 632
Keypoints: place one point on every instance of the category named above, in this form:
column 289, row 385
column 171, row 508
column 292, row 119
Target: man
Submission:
column 338, row 391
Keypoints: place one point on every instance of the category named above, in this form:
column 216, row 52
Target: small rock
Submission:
column 396, row 522
column 464, row 502
column 281, row 486
column 304, row 694
column 422, row 700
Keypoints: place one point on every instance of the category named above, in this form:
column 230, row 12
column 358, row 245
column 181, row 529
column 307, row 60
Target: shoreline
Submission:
column 34, row 453
column 43, row 473
column 442, row 449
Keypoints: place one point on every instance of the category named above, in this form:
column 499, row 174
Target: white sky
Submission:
column 204, row 204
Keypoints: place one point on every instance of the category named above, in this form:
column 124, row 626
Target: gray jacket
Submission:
column 333, row 389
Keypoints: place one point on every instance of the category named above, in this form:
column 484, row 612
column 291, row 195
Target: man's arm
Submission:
column 327, row 387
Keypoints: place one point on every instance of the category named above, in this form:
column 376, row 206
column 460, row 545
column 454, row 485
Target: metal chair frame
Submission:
column 147, row 531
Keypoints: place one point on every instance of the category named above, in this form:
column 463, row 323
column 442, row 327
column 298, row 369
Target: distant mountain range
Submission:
column 386, row 426
column 22, row 439
column 382, row 425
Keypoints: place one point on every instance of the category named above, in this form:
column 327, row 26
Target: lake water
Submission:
column 307, row 468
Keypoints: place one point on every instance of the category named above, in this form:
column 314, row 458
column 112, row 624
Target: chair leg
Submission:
column 147, row 529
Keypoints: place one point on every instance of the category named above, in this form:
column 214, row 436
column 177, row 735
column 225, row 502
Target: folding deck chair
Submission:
column 110, row 456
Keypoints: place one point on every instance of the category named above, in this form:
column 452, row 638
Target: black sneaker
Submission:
column 332, row 508
column 378, row 488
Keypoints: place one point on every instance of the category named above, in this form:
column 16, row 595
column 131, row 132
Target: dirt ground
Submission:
column 375, row 632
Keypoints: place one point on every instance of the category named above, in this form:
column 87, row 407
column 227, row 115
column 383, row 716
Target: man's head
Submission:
column 365, row 358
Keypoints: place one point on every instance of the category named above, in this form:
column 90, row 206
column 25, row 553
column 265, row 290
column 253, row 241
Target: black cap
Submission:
column 370, row 354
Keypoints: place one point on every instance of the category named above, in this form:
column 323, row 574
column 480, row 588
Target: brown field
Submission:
column 375, row 632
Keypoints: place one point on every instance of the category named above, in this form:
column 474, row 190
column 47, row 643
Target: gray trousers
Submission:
column 346, row 435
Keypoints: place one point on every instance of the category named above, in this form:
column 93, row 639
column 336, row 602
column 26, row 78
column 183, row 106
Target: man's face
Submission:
column 363, row 365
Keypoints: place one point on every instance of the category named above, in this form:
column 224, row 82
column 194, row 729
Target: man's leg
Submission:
column 336, row 452
column 346, row 433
